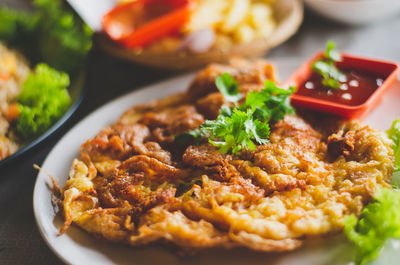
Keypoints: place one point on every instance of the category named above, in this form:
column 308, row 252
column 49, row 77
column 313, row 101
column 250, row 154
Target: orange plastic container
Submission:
column 388, row 69
column 141, row 22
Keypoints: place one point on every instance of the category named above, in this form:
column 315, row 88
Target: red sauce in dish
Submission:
column 355, row 90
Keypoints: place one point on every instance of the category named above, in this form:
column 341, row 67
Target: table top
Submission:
column 107, row 78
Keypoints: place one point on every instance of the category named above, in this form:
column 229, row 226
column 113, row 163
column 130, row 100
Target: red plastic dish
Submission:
column 138, row 23
column 388, row 69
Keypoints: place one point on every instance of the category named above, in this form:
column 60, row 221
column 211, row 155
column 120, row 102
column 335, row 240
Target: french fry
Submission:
column 244, row 34
column 236, row 13
column 267, row 28
column 259, row 14
column 207, row 15
column 240, row 21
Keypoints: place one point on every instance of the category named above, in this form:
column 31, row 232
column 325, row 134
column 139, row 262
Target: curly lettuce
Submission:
column 379, row 221
column 394, row 135
column 44, row 99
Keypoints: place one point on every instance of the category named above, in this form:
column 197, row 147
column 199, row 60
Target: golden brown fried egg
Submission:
column 134, row 184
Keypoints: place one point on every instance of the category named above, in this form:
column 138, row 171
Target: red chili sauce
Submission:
column 355, row 90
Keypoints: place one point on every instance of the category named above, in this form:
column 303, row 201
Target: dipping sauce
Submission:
column 354, row 90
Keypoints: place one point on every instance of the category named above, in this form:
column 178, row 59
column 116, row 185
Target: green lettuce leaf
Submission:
column 379, row 221
column 43, row 100
column 394, row 135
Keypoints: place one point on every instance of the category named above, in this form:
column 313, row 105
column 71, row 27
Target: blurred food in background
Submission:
column 30, row 101
column 239, row 21
column 39, row 51
column 213, row 23
column 191, row 33
column 52, row 34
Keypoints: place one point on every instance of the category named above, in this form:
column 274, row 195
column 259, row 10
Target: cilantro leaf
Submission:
column 194, row 135
column 331, row 53
column 331, row 75
column 225, row 111
column 270, row 104
column 228, row 87
column 240, row 127
column 379, row 221
column 236, row 132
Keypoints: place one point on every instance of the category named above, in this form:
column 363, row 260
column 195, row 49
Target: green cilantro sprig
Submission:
column 240, row 127
column 270, row 104
column 228, row 87
column 331, row 53
column 331, row 75
column 237, row 131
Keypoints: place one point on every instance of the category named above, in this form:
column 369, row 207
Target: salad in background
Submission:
column 38, row 52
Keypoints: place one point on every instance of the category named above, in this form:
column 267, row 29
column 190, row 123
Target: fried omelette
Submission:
column 134, row 184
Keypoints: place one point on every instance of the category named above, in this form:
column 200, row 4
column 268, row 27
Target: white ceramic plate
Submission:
column 78, row 247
